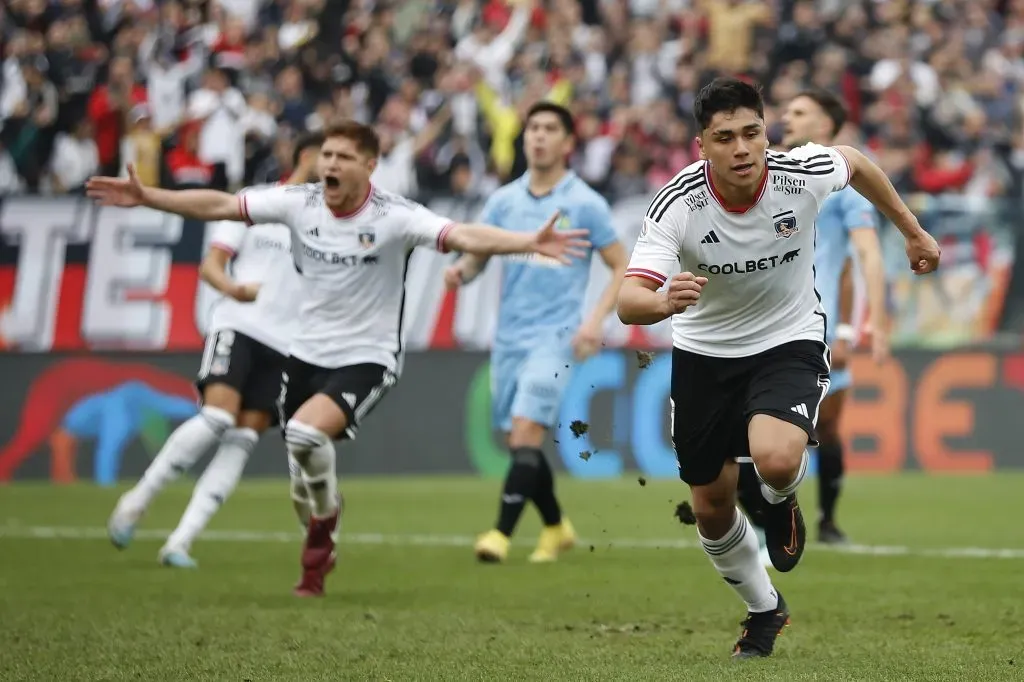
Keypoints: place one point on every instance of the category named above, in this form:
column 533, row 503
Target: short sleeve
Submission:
column 491, row 213
column 824, row 169
column 656, row 252
column 598, row 220
column 423, row 227
column 227, row 235
column 857, row 211
column 270, row 205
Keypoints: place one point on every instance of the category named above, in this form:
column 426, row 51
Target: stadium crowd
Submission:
column 213, row 93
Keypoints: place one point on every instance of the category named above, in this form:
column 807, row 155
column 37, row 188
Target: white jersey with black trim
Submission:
column 260, row 254
column 352, row 267
column 759, row 260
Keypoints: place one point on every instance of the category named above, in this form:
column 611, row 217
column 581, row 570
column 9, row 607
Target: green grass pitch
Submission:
column 637, row 601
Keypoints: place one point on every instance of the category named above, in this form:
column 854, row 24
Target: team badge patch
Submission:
column 786, row 227
column 367, row 239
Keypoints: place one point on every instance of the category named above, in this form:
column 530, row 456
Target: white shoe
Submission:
column 122, row 522
column 176, row 558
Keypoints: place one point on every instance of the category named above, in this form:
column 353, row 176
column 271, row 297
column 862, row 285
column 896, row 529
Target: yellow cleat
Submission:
column 491, row 547
column 553, row 541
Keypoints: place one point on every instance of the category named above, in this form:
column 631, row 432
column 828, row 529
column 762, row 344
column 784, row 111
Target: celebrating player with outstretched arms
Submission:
column 351, row 242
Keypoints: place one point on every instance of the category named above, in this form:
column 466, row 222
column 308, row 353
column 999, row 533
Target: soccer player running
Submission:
column 749, row 361
column 239, row 377
column 846, row 219
column 540, row 336
column 351, row 243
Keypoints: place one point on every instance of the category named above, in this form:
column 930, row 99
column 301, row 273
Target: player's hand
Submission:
column 923, row 252
column 683, row 291
column 839, row 354
column 124, row 192
column 245, row 293
column 453, row 277
column 879, row 346
column 587, row 340
column 562, row 245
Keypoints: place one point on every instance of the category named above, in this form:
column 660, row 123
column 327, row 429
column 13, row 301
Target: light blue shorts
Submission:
column 839, row 380
column 529, row 385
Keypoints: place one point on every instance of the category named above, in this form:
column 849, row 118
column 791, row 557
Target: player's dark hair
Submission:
column 563, row 114
column 364, row 136
column 306, row 141
column 830, row 104
column 728, row 95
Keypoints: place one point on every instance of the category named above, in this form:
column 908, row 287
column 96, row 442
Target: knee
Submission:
column 302, row 439
column 526, row 434
column 714, row 513
column 218, row 419
column 778, row 460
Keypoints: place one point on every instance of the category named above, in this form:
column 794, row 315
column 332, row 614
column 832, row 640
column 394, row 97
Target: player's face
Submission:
column 804, row 121
column 344, row 169
column 546, row 142
column 735, row 143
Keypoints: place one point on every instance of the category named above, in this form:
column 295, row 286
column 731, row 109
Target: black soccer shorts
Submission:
column 713, row 399
column 356, row 389
column 244, row 364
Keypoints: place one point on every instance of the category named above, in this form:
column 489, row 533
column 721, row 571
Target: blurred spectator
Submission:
column 935, row 88
column 75, row 159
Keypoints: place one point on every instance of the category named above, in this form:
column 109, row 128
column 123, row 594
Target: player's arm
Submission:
column 872, row 183
column 606, row 241
column 869, row 255
column 487, row 240
column 227, row 240
column 655, row 254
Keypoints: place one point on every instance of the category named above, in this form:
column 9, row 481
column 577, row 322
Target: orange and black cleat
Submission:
column 784, row 533
column 760, row 630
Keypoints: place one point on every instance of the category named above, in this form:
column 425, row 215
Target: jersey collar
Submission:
column 721, row 201
column 562, row 184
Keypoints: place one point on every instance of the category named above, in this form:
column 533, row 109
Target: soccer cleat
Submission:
column 491, row 547
column 121, row 524
column 784, row 533
column 553, row 541
column 829, row 534
column 318, row 556
column 760, row 631
column 176, row 558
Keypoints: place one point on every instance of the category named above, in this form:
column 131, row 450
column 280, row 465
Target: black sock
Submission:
column 521, row 484
column 830, row 478
column 544, row 496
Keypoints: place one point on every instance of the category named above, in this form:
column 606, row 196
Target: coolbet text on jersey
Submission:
column 759, row 261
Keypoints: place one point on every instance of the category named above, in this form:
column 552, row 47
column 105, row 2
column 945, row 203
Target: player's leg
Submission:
column 782, row 404
column 343, row 398
column 520, row 479
column 706, row 426
column 218, row 481
column 535, row 409
column 748, row 493
column 225, row 364
column 258, row 413
column 830, row 457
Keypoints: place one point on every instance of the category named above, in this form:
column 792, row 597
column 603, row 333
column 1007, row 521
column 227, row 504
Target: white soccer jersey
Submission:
column 260, row 254
column 353, row 270
column 759, row 261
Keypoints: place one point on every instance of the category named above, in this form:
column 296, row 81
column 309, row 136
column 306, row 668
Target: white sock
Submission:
column 736, row 557
column 190, row 441
column 314, row 452
column 300, row 493
column 215, row 486
column 776, row 496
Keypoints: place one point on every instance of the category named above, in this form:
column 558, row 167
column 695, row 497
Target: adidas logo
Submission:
column 800, row 409
column 710, row 238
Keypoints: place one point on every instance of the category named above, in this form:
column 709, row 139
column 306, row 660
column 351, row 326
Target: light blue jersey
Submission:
column 542, row 300
column 841, row 213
